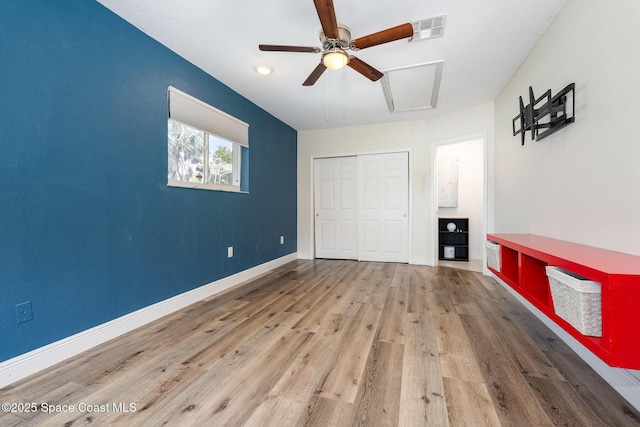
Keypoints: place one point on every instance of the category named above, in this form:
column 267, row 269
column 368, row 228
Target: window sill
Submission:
column 206, row 186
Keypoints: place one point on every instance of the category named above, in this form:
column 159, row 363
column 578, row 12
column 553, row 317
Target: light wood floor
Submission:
column 334, row 343
column 471, row 265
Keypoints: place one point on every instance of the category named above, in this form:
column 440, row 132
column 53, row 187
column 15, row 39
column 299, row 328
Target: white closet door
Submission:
column 383, row 207
column 335, row 208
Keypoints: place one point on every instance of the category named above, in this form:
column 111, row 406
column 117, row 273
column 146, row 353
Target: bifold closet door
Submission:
column 361, row 206
column 335, row 208
column 383, row 207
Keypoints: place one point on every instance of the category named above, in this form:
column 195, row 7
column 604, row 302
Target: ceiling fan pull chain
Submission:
column 344, row 97
column 326, row 98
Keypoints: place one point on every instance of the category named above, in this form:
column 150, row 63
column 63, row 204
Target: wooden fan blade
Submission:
column 327, row 15
column 280, row 48
column 385, row 36
column 365, row 69
column 315, row 75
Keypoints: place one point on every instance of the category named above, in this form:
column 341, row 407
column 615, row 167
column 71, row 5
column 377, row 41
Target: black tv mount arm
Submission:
column 551, row 114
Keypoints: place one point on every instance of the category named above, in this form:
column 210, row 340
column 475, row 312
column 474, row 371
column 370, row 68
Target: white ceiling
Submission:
column 484, row 42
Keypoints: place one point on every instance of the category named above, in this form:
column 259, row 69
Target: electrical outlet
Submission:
column 24, row 312
column 282, row 240
column 230, row 252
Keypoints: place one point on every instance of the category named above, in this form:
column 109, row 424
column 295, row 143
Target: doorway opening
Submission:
column 459, row 193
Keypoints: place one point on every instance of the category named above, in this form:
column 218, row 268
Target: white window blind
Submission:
column 192, row 112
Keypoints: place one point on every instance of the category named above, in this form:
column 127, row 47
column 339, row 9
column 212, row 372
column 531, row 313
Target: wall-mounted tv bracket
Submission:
column 547, row 112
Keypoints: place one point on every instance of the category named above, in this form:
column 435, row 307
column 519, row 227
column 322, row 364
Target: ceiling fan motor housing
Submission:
column 342, row 42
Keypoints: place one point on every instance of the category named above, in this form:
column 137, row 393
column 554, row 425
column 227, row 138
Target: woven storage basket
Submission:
column 493, row 254
column 576, row 300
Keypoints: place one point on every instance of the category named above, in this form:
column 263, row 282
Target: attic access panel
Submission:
column 412, row 88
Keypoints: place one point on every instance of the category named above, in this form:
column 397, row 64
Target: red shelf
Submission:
column 523, row 261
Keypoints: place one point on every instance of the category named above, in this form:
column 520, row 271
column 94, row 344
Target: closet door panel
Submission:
column 383, row 207
column 335, row 208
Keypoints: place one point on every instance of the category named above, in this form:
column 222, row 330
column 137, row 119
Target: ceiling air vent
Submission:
column 429, row 28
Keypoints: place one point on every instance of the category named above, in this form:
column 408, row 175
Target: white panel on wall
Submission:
column 447, row 183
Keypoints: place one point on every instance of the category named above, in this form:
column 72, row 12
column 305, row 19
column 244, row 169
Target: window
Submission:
column 206, row 147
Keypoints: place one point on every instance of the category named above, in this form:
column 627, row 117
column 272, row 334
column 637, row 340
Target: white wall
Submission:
column 470, row 155
column 581, row 184
column 415, row 136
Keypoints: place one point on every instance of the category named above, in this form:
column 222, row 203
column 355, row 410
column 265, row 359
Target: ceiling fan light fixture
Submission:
column 335, row 59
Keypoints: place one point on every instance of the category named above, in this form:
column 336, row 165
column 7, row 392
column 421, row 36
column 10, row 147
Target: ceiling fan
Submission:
column 336, row 39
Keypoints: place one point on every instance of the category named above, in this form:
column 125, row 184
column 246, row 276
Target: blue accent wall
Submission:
column 89, row 231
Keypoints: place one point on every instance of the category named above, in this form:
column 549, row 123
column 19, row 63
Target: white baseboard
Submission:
column 624, row 381
column 29, row 363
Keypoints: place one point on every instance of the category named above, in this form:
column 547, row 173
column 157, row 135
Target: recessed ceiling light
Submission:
column 264, row 69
